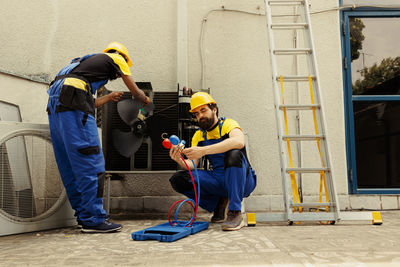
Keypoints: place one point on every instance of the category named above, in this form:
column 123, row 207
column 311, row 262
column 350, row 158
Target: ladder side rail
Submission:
column 330, row 190
column 298, row 124
column 312, row 71
column 278, row 116
column 323, row 145
column 320, row 115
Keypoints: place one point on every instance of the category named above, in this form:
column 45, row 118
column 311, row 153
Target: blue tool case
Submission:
column 167, row 233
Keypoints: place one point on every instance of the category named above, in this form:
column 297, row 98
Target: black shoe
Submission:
column 105, row 227
column 79, row 225
column 220, row 210
column 234, row 221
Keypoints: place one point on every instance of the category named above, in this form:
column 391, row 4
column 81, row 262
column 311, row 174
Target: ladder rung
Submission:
column 294, row 78
column 313, row 204
column 289, row 26
column 284, row 15
column 302, row 137
column 314, row 216
column 285, row 3
column 292, row 51
column 307, row 170
column 299, row 107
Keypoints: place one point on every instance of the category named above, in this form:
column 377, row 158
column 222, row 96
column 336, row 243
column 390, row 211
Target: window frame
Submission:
column 366, row 4
column 345, row 14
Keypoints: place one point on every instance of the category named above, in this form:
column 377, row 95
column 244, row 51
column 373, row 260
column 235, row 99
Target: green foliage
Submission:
column 374, row 75
column 356, row 37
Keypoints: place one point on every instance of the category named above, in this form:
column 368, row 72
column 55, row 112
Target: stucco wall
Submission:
column 39, row 37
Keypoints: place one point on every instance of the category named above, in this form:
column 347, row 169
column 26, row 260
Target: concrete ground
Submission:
column 266, row 244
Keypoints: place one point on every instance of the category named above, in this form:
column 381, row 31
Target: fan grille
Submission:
column 162, row 101
column 30, row 184
column 166, row 102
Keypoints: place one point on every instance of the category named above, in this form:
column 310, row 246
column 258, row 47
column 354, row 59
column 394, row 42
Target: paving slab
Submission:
column 266, row 244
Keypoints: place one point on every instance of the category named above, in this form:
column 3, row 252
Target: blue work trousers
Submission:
column 235, row 183
column 80, row 161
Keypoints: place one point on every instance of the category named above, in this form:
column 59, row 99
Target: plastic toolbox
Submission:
column 167, row 233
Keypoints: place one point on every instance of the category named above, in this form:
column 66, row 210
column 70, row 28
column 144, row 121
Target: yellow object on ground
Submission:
column 251, row 219
column 376, row 218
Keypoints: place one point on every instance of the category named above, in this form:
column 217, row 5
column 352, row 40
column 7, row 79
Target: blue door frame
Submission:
column 349, row 98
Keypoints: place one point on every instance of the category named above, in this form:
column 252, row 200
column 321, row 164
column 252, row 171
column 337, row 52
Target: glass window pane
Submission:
column 375, row 55
column 378, row 3
column 377, row 136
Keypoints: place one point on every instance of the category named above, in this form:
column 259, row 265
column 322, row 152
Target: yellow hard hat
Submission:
column 200, row 98
column 120, row 48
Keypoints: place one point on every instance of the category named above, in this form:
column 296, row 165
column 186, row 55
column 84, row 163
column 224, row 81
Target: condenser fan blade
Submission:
column 157, row 125
column 126, row 143
column 128, row 110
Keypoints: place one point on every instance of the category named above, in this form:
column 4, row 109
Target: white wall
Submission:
column 42, row 36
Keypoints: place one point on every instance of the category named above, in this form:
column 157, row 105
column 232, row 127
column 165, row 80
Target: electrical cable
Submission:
column 203, row 26
column 164, row 109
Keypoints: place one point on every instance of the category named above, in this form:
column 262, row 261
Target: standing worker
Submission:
column 231, row 178
column 73, row 129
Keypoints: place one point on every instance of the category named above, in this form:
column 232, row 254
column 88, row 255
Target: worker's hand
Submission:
column 175, row 153
column 146, row 101
column 194, row 152
column 141, row 96
column 115, row 96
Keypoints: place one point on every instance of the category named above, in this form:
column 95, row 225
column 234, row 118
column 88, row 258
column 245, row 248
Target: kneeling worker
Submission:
column 231, row 179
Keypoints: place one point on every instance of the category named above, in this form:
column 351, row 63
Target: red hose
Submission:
column 179, row 201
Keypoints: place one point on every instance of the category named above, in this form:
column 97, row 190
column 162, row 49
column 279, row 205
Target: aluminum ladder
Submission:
column 299, row 138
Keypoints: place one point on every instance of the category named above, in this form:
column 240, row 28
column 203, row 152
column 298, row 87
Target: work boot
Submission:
column 220, row 210
column 234, row 221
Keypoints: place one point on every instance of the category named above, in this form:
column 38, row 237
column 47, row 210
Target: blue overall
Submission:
column 235, row 181
column 78, row 152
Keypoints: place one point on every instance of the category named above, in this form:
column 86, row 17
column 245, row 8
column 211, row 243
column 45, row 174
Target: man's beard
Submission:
column 206, row 123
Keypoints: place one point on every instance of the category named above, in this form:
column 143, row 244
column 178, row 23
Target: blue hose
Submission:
column 189, row 199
